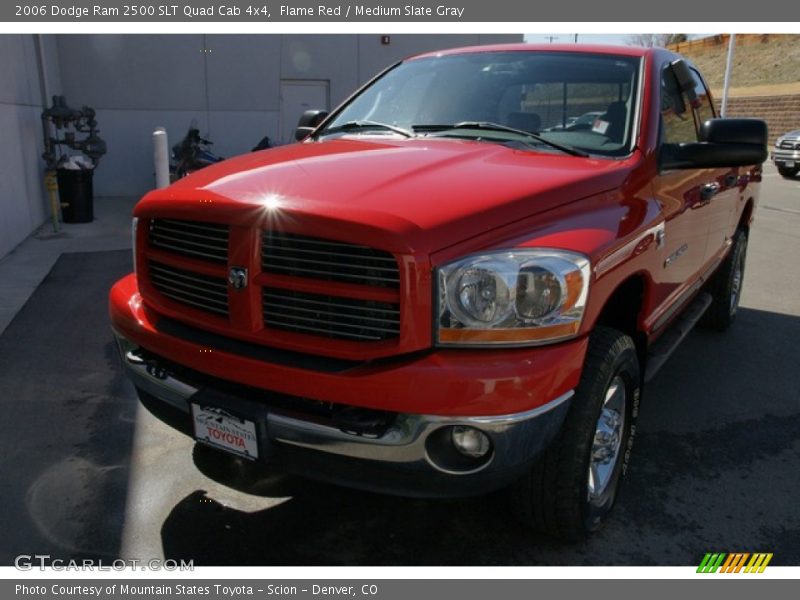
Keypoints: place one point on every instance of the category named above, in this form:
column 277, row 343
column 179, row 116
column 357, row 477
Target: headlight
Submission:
column 778, row 142
column 518, row 297
column 134, row 225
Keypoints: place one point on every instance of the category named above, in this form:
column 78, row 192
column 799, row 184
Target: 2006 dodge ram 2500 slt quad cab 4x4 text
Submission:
column 452, row 283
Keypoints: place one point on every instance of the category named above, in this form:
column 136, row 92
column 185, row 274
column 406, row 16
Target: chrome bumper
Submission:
column 516, row 439
column 783, row 155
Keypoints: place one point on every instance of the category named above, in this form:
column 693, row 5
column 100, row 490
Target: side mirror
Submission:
column 308, row 122
column 683, row 75
column 723, row 143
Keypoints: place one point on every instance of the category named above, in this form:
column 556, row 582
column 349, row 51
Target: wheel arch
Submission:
column 622, row 310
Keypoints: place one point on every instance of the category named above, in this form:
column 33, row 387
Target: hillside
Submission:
column 763, row 64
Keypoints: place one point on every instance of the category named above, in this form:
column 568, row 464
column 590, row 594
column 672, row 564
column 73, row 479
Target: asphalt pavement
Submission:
column 714, row 468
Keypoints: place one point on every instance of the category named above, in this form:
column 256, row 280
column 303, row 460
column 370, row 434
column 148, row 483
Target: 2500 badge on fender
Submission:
column 459, row 280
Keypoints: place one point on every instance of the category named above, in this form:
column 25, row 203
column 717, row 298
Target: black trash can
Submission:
column 77, row 195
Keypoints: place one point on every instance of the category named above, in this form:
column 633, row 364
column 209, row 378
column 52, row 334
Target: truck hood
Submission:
column 416, row 195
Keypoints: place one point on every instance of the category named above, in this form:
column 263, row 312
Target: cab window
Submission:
column 681, row 116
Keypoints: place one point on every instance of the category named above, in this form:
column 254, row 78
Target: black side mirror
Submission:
column 308, row 122
column 723, row 143
column 734, row 131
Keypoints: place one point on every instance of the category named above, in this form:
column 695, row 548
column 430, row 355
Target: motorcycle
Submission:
column 193, row 153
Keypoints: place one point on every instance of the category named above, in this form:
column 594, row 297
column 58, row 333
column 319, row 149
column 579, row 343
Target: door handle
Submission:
column 709, row 190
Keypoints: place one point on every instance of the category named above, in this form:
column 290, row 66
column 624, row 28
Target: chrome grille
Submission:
column 330, row 316
column 200, row 291
column 196, row 239
column 302, row 256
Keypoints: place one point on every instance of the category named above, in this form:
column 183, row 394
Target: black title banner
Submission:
column 473, row 11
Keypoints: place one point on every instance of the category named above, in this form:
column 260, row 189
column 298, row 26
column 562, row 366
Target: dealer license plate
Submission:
column 219, row 428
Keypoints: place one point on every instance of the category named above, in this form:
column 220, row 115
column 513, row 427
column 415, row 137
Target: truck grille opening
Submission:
column 200, row 291
column 195, row 239
column 330, row 316
column 302, row 256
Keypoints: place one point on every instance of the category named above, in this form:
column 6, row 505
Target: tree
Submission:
column 649, row 40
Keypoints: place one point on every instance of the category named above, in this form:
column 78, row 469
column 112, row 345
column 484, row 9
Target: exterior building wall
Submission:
column 229, row 85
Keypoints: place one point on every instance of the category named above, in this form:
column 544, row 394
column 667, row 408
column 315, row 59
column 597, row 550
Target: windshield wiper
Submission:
column 489, row 126
column 355, row 125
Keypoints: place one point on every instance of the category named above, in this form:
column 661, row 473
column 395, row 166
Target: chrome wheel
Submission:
column 607, row 439
column 736, row 283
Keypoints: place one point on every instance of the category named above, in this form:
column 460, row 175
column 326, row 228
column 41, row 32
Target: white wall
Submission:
column 23, row 206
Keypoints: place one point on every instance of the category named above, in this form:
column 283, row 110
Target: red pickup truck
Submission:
column 454, row 283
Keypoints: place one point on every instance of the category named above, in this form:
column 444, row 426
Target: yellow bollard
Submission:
column 51, row 184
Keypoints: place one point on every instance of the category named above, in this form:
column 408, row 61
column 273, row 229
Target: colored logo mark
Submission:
column 735, row 562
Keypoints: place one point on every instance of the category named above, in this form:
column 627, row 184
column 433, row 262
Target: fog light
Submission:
column 470, row 441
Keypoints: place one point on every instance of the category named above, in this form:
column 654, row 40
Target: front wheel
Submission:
column 787, row 172
column 573, row 486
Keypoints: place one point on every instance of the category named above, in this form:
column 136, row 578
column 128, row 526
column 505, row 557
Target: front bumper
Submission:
column 408, row 458
column 518, row 398
column 781, row 156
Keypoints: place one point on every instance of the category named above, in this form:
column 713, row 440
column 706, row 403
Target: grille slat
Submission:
column 318, row 314
column 185, row 276
column 201, row 225
column 190, row 238
column 166, row 281
column 341, row 308
column 174, row 291
column 201, row 291
column 327, row 263
column 385, row 259
column 331, row 316
column 174, row 239
column 326, row 332
column 328, row 275
column 303, row 256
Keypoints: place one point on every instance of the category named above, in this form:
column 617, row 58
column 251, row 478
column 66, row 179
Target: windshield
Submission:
column 573, row 100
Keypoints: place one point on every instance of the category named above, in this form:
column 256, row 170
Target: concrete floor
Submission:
column 714, row 393
column 24, row 268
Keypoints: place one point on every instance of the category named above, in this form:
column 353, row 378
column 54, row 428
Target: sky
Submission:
column 583, row 38
column 617, row 39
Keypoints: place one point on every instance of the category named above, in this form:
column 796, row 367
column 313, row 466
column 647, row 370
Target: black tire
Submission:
column 787, row 172
column 555, row 496
column 725, row 286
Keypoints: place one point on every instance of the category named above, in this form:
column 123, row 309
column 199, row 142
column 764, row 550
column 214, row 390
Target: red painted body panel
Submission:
column 445, row 382
column 429, row 201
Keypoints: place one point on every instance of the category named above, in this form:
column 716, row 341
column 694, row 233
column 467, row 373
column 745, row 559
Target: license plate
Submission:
column 219, row 428
column 790, row 164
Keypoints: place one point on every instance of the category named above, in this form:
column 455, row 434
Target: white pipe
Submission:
column 728, row 69
column 161, row 157
column 44, row 78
